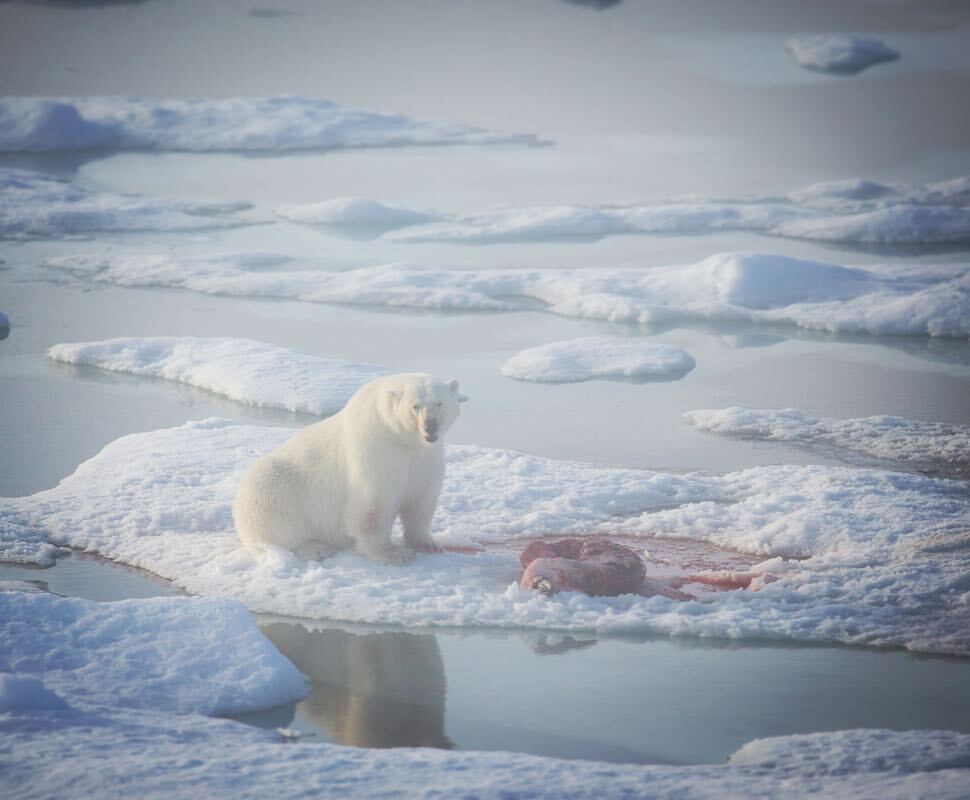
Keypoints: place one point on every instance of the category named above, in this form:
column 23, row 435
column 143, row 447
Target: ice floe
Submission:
column 280, row 124
column 839, row 54
column 244, row 370
column 854, row 211
column 169, row 654
column 37, row 205
column 935, row 447
column 49, row 748
column 756, row 288
column 864, row 557
column 599, row 357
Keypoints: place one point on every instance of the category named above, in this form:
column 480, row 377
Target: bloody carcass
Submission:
column 591, row 565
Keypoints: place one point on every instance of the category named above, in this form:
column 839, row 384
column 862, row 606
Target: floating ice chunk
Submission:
column 285, row 123
column 839, row 54
column 599, row 357
column 244, row 370
column 752, row 288
column 883, row 557
column 173, row 654
column 356, row 216
column 36, row 205
column 896, row 225
column 935, row 447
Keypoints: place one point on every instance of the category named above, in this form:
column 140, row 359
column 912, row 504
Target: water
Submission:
column 641, row 105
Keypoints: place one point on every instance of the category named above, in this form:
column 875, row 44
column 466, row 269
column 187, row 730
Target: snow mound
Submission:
column 220, row 758
column 244, row 370
column 173, row 654
column 599, row 357
column 935, row 447
column 839, row 54
column 864, row 557
column 753, row 288
column 36, row 205
column 356, row 216
column 278, row 124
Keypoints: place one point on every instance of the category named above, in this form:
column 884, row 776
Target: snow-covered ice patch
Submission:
column 173, row 654
column 839, row 54
column 936, row 447
column 855, row 211
column 356, row 216
column 864, row 557
column 279, row 124
column 37, row 205
column 752, row 288
column 48, row 751
column 599, row 357
column 244, row 370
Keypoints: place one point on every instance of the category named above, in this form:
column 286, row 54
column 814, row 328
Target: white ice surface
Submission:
column 855, row 211
column 839, row 54
column 180, row 654
column 599, row 357
column 734, row 287
column 884, row 557
column 48, row 750
column 247, row 371
column 932, row 446
column 280, row 124
column 36, row 205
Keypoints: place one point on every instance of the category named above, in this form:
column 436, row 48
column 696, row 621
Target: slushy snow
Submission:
column 48, row 749
column 246, row 371
column 169, row 654
column 935, row 447
column 854, row 211
column 755, row 288
column 36, row 205
column 599, row 357
column 864, row 557
column 277, row 124
column 839, row 54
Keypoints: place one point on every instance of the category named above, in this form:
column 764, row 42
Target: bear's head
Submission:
column 424, row 407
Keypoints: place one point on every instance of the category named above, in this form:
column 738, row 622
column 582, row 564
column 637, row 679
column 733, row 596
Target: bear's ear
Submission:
column 453, row 385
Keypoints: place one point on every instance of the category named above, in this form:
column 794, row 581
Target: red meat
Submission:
column 583, row 564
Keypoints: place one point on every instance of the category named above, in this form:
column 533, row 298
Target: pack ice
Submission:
column 839, row 54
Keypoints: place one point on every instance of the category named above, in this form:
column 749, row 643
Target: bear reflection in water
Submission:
column 370, row 690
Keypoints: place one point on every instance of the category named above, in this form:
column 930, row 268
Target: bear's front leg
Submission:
column 416, row 518
column 370, row 526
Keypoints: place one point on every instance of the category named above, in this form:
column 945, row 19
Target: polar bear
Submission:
column 341, row 483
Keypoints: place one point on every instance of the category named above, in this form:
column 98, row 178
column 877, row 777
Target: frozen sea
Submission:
column 702, row 298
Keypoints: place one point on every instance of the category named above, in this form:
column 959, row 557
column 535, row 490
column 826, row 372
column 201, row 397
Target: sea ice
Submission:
column 279, row 124
column 864, row 557
column 356, row 216
column 48, row 751
column 37, row 205
column 853, row 211
column 839, row 54
column 169, row 654
column 246, row 371
column 732, row 287
column 935, row 447
column 599, row 357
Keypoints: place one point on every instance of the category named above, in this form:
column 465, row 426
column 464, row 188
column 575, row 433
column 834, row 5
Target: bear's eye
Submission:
column 415, row 407
column 437, row 405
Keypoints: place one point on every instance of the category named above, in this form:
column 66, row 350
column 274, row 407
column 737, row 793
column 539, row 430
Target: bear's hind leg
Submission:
column 370, row 527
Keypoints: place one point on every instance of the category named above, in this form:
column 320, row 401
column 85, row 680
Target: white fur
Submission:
column 341, row 483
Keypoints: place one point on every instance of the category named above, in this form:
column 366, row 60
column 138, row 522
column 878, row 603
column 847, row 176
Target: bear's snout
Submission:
column 431, row 429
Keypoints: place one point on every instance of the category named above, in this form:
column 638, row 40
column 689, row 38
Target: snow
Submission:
column 864, row 557
column 356, row 216
column 169, row 654
column 854, row 211
column 756, row 288
column 936, row 447
column 36, row 205
column 599, row 357
column 839, row 54
column 244, row 370
column 48, row 752
column 278, row 124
